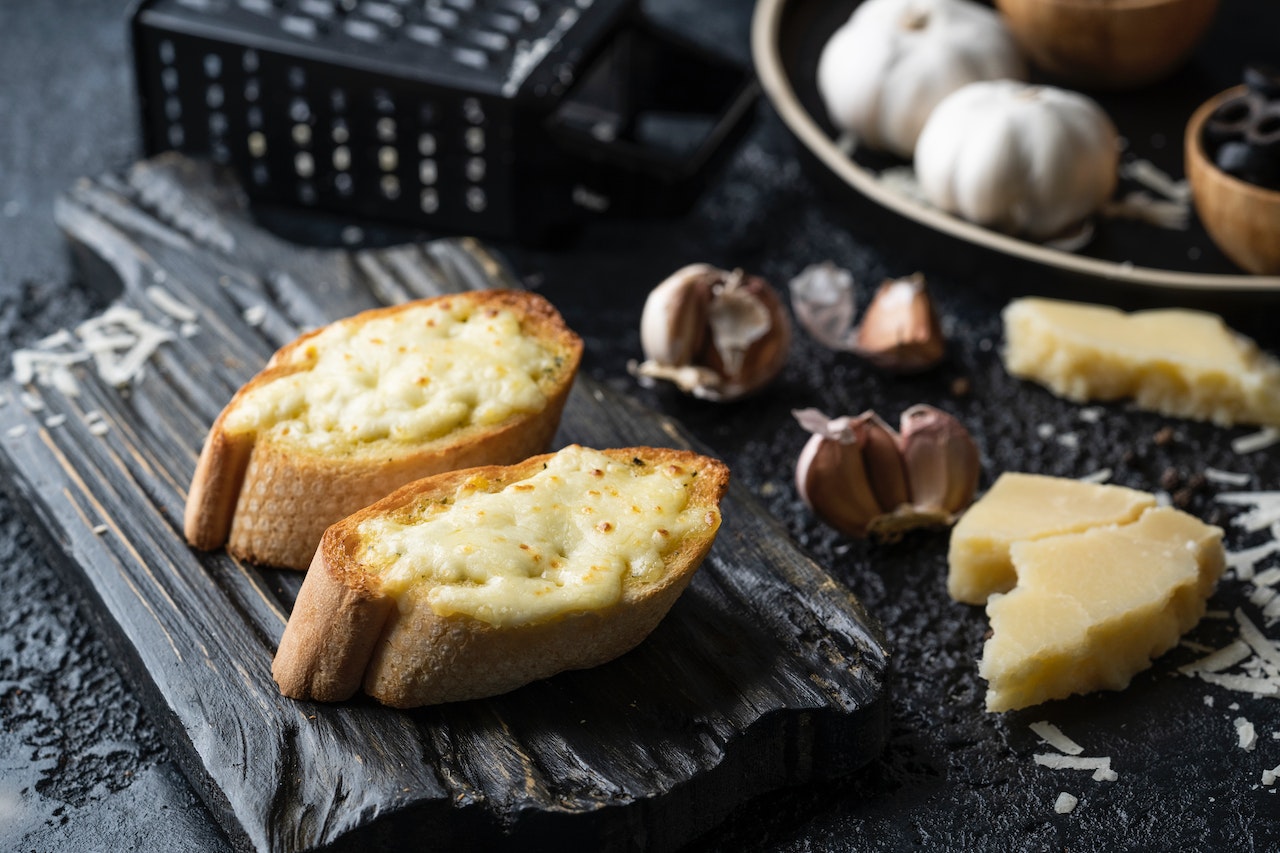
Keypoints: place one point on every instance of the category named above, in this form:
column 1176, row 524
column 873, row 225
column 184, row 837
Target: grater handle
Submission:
column 650, row 120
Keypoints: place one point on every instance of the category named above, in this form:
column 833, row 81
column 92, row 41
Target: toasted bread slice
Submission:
column 344, row 415
column 473, row 583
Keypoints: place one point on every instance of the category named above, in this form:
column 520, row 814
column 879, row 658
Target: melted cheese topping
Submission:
column 566, row 539
column 1177, row 362
column 407, row 378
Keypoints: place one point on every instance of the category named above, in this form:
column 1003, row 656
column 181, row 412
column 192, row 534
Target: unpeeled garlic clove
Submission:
column 900, row 331
column 861, row 477
column 941, row 459
column 715, row 334
column 830, row 475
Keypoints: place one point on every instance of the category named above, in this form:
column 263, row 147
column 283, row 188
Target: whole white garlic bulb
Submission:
column 1028, row 160
column 716, row 334
column 888, row 66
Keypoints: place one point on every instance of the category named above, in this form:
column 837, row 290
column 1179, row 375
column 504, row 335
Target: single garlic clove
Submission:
column 673, row 325
column 900, row 330
column 717, row 335
column 831, row 477
column 883, row 461
column 941, row 459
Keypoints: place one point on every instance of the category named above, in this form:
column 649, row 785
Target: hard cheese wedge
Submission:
column 1092, row 609
column 1182, row 363
column 1024, row 507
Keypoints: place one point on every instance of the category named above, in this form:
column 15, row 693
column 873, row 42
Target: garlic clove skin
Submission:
column 717, row 335
column 673, row 322
column 941, row 459
column 823, row 300
column 831, row 477
column 900, row 331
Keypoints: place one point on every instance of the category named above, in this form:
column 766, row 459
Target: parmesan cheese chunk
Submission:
column 560, row 541
column 1182, row 363
column 1023, row 507
column 1094, row 608
column 403, row 379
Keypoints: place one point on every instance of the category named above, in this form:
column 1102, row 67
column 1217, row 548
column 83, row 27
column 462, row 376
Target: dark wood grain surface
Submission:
column 83, row 766
column 766, row 674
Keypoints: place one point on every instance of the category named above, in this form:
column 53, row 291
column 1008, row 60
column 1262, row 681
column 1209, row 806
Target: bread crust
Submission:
column 270, row 503
column 412, row 656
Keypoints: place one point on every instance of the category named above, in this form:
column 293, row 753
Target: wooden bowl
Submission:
column 1108, row 44
column 1243, row 219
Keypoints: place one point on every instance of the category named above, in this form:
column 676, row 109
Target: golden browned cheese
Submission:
column 346, row 414
column 475, row 582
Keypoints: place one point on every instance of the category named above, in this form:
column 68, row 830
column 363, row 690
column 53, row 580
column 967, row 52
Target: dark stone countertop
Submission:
column 84, row 769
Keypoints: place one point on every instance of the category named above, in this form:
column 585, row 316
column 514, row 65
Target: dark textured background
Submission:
column 81, row 767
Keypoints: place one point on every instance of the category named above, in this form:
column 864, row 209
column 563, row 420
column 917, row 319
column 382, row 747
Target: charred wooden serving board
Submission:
column 765, row 674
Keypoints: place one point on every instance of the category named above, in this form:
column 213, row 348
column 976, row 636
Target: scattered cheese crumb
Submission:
column 1154, row 178
column 55, row 421
column 1101, row 767
column 1090, row 414
column 1243, row 561
column 1102, row 475
column 59, row 338
column 1255, row 441
column 1248, row 738
column 1264, row 512
column 1208, row 700
column 1269, row 776
column 255, row 315
column 169, row 304
column 1250, row 633
column 189, row 330
column 1223, row 658
column 1269, row 577
column 1243, row 683
column 1052, row 735
column 1065, row 803
column 17, row 431
column 31, row 402
column 1045, row 430
column 1144, row 207
column 1069, row 440
column 100, row 529
column 1226, row 478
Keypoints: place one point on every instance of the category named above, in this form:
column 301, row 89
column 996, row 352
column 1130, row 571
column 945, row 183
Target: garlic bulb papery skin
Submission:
column 715, row 334
column 882, row 73
column 1034, row 161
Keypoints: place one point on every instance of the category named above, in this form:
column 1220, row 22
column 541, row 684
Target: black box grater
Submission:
column 501, row 118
